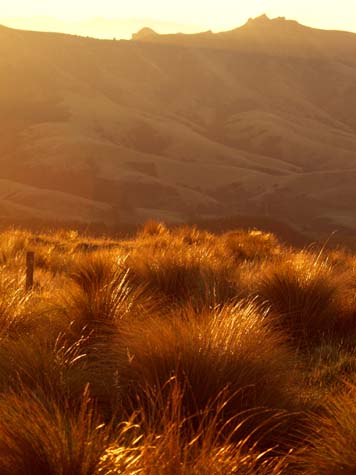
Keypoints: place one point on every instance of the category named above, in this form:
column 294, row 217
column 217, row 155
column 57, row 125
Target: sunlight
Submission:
column 185, row 16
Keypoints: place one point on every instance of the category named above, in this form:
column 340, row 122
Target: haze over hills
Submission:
column 97, row 27
column 260, row 120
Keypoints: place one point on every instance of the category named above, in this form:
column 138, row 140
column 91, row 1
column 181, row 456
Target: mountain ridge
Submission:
column 184, row 125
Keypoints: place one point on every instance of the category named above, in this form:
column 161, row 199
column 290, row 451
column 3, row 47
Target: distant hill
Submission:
column 258, row 121
column 144, row 34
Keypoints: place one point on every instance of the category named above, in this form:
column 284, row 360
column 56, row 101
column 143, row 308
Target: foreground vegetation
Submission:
column 176, row 353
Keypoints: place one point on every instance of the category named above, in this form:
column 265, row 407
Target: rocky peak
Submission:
column 144, row 34
column 264, row 21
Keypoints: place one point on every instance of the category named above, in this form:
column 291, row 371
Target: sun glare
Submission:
column 185, row 16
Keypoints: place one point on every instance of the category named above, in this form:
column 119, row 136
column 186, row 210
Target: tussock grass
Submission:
column 49, row 367
column 331, row 364
column 302, row 296
column 12, row 245
column 191, row 235
column 188, row 344
column 42, row 439
column 331, row 436
column 252, row 245
column 19, row 310
column 95, row 309
column 170, row 444
column 101, row 294
column 184, row 274
column 230, row 349
column 153, row 228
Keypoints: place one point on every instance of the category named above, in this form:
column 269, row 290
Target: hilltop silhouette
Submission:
column 259, row 120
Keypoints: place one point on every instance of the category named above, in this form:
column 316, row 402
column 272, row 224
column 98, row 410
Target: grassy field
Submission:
column 177, row 352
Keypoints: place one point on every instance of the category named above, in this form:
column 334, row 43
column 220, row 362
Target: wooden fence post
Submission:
column 30, row 265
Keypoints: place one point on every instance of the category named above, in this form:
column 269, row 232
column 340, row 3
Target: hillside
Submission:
column 258, row 121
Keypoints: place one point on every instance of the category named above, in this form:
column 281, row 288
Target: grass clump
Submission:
column 252, row 245
column 230, row 350
column 42, row 439
column 302, row 297
column 101, row 294
column 153, row 228
column 331, row 436
column 171, row 445
column 181, row 275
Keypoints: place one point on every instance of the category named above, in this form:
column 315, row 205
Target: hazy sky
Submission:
column 204, row 14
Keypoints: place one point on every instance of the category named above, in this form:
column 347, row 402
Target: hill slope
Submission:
column 258, row 120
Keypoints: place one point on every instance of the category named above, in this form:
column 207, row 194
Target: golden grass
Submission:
column 231, row 349
column 251, row 245
column 184, row 273
column 170, row 444
column 331, row 436
column 43, row 439
column 101, row 293
column 302, row 296
column 176, row 352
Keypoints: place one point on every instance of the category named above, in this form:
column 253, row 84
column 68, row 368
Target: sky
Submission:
column 170, row 15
